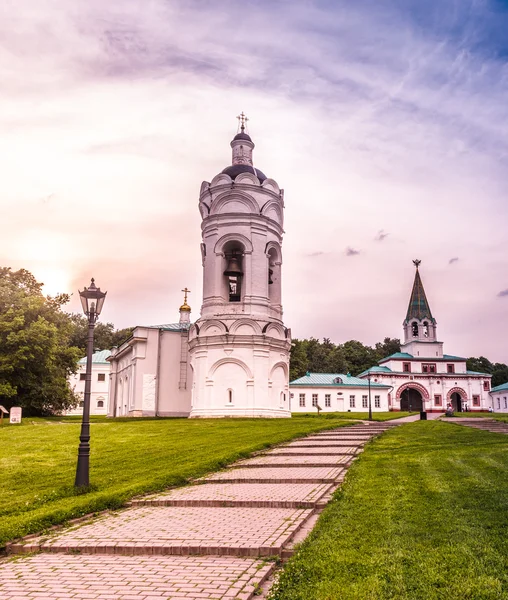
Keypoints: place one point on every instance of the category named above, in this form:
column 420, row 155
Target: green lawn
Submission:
column 486, row 415
column 423, row 515
column 129, row 457
column 376, row 416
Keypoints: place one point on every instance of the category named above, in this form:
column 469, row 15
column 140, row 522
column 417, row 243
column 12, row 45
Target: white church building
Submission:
column 234, row 360
column 422, row 376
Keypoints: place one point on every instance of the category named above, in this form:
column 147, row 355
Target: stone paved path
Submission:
column 480, row 423
column 214, row 539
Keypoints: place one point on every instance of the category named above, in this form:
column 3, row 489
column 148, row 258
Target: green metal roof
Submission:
column 98, row 358
column 500, row 388
column 407, row 356
column 330, row 379
column 376, row 369
column 418, row 305
column 170, row 326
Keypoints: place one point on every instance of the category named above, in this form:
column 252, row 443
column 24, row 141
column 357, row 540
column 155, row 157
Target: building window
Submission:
column 314, row 399
column 351, row 401
column 101, row 377
column 476, row 400
column 498, row 403
column 234, row 274
column 364, row 401
column 425, row 329
column 328, row 400
column 486, row 386
column 450, row 368
column 82, row 404
column 505, row 404
column 406, row 367
column 414, row 328
column 302, row 399
column 100, row 403
column 230, row 396
column 428, row 368
column 437, row 399
column 82, row 376
column 377, row 401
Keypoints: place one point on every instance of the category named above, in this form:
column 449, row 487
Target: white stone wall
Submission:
column 339, row 398
column 99, row 393
column 499, row 401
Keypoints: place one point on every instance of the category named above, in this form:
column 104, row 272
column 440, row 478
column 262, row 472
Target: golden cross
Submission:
column 242, row 119
column 185, row 291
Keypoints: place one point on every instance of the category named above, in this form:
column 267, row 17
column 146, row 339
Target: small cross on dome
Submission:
column 242, row 120
column 417, row 263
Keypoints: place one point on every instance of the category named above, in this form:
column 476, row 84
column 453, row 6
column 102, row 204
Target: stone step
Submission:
column 172, row 530
column 312, row 450
column 262, row 495
column 318, row 444
column 277, row 475
column 69, row 576
column 303, row 460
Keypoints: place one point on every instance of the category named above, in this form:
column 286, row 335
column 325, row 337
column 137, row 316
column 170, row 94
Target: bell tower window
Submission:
column 425, row 329
column 414, row 328
column 234, row 273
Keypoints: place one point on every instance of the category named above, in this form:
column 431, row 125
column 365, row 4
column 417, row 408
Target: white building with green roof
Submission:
column 99, row 398
column 499, row 398
column 422, row 376
column 337, row 392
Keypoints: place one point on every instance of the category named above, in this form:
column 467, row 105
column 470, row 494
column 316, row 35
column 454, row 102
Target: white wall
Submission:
column 499, row 401
column 339, row 398
column 100, row 389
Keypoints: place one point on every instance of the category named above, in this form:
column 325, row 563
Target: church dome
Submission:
column 234, row 170
column 242, row 136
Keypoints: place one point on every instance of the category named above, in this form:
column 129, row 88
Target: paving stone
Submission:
column 179, row 530
column 278, row 475
column 322, row 444
column 65, row 577
column 316, row 450
column 297, row 495
column 299, row 460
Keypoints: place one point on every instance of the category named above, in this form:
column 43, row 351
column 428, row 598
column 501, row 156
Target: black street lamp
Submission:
column 92, row 300
column 370, row 405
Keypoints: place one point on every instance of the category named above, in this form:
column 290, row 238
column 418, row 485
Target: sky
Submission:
column 385, row 121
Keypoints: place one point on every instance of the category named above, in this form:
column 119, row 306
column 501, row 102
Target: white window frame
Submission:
column 377, row 401
column 352, row 401
column 301, row 399
column 365, row 401
column 328, row 400
column 314, row 400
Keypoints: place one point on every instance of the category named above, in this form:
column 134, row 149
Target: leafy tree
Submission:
column 35, row 355
column 387, row 347
column 499, row 371
column 105, row 334
column 298, row 365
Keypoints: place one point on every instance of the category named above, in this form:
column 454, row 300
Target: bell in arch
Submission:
column 234, row 268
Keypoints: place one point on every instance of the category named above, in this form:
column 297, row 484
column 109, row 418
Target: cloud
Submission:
column 130, row 106
column 453, row 260
column 381, row 235
column 503, row 293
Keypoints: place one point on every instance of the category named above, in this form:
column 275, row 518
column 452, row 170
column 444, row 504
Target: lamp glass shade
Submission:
column 92, row 299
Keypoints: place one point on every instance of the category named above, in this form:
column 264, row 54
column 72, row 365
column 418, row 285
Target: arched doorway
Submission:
column 411, row 400
column 456, row 401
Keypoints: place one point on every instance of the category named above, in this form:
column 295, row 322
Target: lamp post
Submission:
column 370, row 405
column 92, row 300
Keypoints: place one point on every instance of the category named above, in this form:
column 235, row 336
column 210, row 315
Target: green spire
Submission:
column 418, row 306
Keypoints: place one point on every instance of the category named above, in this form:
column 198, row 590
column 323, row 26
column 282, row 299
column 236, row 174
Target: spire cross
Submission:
column 417, row 263
column 185, row 291
column 242, row 120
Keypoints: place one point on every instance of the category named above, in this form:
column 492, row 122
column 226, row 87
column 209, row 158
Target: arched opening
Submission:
column 234, row 270
column 456, row 402
column 274, row 282
column 100, row 403
column 425, row 329
column 230, row 396
column 411, row 400
column 414, row 329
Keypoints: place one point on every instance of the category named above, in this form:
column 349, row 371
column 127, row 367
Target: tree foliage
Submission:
column 326, row 357
column 105, row 334
column 36, row 356
column 499, row 371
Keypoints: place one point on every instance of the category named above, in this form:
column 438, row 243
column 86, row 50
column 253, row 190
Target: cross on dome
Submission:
column 242, row 120
column 417, row 263
column 185, row 306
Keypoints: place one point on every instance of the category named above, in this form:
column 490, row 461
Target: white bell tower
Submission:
column 239, row 347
